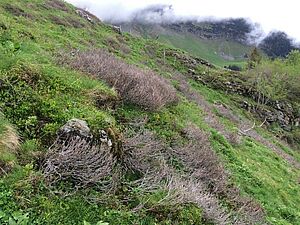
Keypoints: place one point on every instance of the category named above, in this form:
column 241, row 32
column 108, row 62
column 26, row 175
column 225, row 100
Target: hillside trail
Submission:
column 210, row 118
column 242, row 123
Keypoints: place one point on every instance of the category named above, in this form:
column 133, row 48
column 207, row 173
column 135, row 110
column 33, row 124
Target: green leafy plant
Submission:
column 98, row 223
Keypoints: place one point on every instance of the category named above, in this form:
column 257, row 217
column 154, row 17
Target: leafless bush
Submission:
column 203, row 180
column 187, row 190
column 75, row 23
column 56, row 4
column 137, row 86
column 67, row 22
column 16, row 11
column 117, row 44
column 150, row 157
column 59, row 21
column 84, row 161
column 145, row 151
column 202, row 162
column 79, row 161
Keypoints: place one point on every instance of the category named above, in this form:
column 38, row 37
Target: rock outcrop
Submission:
column 87, row 15
column 191, row 62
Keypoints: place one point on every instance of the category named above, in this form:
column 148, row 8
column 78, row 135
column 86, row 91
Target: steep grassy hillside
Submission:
column 219, row 50
column 166, row 140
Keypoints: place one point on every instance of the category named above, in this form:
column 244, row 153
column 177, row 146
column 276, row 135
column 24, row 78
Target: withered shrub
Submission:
column 16, row 11
column 137, row 86
column 56, row 4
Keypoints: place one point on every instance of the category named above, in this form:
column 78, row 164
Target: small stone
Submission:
column 75, row 126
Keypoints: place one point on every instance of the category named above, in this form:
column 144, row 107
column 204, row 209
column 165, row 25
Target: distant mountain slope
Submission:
column 215, row 48
column 220, row 42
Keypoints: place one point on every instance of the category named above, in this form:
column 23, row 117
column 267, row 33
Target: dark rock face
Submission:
column 233, row 68
column 277, row 44
column 163, row 16
column 233, row 29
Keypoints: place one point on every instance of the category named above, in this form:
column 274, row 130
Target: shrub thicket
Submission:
column 278, row 79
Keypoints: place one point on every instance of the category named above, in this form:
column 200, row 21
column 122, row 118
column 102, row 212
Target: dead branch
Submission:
column 244, row 132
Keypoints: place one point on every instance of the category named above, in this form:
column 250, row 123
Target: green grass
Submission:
column 257, row 170
column 40, row 95
column 44, row 97
column 262, row 174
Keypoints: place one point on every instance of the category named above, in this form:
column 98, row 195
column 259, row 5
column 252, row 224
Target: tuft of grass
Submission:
column 9, row 145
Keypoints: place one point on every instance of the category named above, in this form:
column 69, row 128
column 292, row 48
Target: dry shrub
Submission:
column 117, row 44
column 78, row 158
column 16, row 11
column 59, row 21
column 204, row 166
column 202, row 181
column 67, row 22
column 145, row 157
column 148, row 156
column 79, row 161
column 143, row 88
column 83, row 160
column 75, row 23
column 56, row 4
column 184, row 190
column 201, row 161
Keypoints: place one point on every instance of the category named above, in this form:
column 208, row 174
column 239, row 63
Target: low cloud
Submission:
column 271, row 15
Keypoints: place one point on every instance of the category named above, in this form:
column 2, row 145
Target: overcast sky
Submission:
column 272, row 14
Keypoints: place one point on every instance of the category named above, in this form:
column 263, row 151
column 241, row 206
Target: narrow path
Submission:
column 210, row 118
